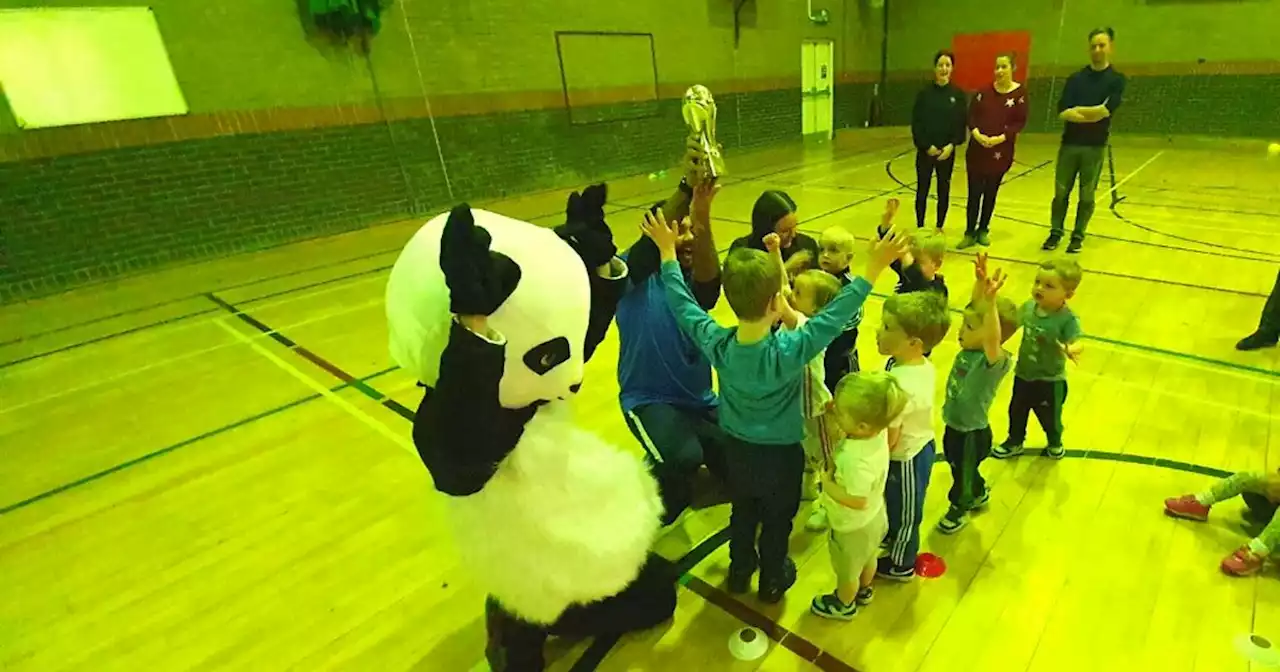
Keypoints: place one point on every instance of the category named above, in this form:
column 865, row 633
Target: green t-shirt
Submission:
column 971, row 388
column 1040, row 356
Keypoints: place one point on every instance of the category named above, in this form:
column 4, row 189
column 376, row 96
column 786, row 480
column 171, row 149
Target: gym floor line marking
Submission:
column 181, row 444
column 329, row 367
column 888, row 168
column 165, row 362
column 351, row 409
column 1137, row 170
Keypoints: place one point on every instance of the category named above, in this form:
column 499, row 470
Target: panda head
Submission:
column 544, row 320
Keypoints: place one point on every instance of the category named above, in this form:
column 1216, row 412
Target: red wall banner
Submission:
column 976, row 56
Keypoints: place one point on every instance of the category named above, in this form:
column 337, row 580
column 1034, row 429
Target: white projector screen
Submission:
column 60, row 67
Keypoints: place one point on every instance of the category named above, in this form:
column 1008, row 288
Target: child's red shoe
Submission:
column 1243, row 562
column 1187, row 507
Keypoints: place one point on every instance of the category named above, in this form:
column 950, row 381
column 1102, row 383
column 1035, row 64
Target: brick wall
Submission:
column 291, row 136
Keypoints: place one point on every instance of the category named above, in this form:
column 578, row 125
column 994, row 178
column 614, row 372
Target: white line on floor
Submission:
column 397, row 438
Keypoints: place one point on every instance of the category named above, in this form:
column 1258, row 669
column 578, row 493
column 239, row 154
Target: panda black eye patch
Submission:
column 545, row 356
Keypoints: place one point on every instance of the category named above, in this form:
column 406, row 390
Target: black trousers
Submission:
column 515, row 645
column 926, row 167
column 841, row 358
column 765, row 483
column 677, row 441
column 1269, row 323
column 965, row 451
column 1045, row 398
column 982, row 201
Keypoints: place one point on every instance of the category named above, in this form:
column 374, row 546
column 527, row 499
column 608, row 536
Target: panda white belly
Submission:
column 567, row 518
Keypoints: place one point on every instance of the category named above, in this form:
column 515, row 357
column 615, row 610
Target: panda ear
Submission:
column 595, row 196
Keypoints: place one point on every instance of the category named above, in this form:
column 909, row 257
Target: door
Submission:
column 817, row 79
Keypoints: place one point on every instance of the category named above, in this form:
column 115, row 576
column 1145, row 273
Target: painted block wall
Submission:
column 291, row 136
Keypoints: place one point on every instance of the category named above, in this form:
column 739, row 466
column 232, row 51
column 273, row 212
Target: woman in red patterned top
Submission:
column 996, row 116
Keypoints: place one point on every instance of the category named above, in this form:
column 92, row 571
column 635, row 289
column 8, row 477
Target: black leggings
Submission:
column 926, row 166
column 982, row 201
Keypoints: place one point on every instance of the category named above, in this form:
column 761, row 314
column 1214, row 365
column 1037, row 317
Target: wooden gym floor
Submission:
column 210, row 467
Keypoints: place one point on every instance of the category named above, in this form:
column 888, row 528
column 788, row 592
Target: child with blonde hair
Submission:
column 976, row 372
column 864, row 406
column 1050, row 336
column 913, row 324
column 836, row 247
column 811, row 292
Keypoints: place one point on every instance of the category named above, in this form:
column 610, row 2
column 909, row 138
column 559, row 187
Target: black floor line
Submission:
column 889, row 170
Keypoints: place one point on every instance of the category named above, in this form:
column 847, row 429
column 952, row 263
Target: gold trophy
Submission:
column 700, row 116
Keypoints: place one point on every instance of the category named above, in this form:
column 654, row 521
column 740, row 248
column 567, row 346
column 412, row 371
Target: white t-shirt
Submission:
column 916, row 421
column 816, row 394
column 862, row 467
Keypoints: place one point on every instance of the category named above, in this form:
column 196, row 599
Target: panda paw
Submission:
column 585, row 229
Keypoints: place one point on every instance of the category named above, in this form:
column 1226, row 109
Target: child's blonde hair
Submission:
column 823, row 285
column 839, row 238
column 751, row 280
column 1006, row 311
column 1067, row 269
column 921, row 315
column 932, row 246
column 873, row 397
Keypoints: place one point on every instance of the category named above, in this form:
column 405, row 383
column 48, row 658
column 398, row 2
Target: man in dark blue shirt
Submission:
column 1088, row 100
column 664, row 380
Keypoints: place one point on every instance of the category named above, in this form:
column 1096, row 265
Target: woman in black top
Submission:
column 938, row 130
column 775, row 212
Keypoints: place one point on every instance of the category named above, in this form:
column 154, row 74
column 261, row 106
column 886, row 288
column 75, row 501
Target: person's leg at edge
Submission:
column 1248, row 559
column 1064, row 179
column 972, row 209
column 991, row 189
column 1268, row 332
column 945, row 170
column 1091, row 159
column 924, row 177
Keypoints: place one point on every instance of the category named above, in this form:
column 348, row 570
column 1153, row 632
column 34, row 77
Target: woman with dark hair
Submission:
column 775, row 212
column 996, row 117
column 937, row 129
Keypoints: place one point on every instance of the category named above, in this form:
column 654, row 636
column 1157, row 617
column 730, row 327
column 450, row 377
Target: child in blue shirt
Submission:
column 761, row 374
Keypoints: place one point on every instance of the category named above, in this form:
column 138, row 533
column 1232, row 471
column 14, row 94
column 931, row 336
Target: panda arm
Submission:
column 606, row 291
column 462, row 410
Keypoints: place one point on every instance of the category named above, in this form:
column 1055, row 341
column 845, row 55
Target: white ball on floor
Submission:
column 1273, row 150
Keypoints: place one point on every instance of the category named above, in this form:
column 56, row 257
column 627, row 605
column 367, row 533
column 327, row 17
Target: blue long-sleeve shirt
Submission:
column 761, row 383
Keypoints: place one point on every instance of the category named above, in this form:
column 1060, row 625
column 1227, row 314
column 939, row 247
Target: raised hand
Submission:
column 479, row 280
column 703, row 194
column 772, row 243
column 991, row 285
column 980, row 267
column 890, row 211
column 664, row 235
column 884, row 251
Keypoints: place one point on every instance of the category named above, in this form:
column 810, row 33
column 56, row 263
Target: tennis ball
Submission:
column 1273, row 150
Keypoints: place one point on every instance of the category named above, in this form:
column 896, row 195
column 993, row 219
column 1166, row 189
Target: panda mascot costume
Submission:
column 496, row 318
